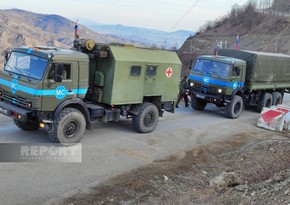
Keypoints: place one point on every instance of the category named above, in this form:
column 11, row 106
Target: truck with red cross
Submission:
column 66, row 90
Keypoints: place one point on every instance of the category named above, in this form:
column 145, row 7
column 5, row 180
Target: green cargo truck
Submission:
column 236, row 78
column 65, row 90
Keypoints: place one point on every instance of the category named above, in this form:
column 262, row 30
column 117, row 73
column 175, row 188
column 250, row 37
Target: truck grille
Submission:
column 15, row 100
column 205, row 89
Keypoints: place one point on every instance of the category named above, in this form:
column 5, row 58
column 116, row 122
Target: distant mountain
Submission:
column 150, row 37
column 23, row 28
column 19, row 27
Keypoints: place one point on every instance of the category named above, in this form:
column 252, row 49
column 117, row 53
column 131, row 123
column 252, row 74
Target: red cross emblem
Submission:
column 169, row 72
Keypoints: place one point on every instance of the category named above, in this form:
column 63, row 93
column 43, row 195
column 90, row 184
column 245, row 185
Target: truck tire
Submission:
column 27, row 126
column 69, row 127
column 235, row 107
column 265, row 101
column 277, row 98
column 147, row 118
column 198, row 104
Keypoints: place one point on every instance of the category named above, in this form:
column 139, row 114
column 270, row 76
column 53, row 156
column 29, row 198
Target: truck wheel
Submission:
column 277, row 98
column 198, row 104
column 69, row 127
column 28, row 126
column 265, row 101
column 147, row 118
column 234, row 109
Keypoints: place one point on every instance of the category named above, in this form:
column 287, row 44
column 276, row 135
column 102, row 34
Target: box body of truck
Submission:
column 263, row 70
column 128, row 75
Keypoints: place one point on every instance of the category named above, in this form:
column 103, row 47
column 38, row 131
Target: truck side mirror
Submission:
column 6, row 56
column 238, row 71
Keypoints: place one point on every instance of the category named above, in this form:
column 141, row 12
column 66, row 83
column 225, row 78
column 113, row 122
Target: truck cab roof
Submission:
column 54, row 53
column 223, row 59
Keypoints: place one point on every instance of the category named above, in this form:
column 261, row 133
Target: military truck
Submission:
column 65, row 90
column 237, row 78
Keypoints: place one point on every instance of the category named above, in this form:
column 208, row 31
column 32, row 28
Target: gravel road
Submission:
column 109, row 150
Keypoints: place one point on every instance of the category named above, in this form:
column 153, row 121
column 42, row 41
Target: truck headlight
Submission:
column 220, row 90
column 191, row 84
column 29, row 104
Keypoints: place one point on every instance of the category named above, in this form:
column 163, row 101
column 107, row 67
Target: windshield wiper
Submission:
column 21, row 72
column 199, row 71
column 14, row 68
column 214, row 72
column 27, row 76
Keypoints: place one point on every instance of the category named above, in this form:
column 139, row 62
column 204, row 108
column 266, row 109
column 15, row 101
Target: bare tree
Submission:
column 264, row 6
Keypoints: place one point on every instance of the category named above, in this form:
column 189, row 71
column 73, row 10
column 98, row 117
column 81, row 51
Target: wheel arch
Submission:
column 78, row 104
column 155, row 100
column 239, row 92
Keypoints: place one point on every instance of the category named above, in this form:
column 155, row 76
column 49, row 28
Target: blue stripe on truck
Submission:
column 207, row 80
column 33, row 91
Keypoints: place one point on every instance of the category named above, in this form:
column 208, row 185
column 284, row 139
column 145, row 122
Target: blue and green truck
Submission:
column 237, row 78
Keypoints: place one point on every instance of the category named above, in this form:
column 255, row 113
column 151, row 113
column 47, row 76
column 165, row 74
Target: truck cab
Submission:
column 217, row 79
column 27, row 80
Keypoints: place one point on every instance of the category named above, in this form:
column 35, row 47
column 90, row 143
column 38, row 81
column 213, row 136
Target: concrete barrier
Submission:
column 276, row 118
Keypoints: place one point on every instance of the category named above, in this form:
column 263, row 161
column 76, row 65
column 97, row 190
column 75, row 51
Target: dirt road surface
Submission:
column 181, row 162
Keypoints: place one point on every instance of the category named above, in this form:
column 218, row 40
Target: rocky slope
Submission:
column 257, row 31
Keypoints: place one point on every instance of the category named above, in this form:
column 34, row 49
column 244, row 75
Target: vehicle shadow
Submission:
column 12, row 134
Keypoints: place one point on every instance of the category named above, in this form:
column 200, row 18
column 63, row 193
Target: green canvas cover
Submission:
column 262, row 67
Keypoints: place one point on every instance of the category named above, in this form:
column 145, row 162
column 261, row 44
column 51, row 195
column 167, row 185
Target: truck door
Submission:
column 150, row 80
column 56, row 92
column 236, row 77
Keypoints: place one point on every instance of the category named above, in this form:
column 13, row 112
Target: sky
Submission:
column 165, row 15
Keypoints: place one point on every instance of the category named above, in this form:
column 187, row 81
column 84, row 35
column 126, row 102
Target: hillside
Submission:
column 267, row 32
column 18, row 27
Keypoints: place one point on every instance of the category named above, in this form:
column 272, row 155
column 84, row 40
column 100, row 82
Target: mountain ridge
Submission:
column 19, row 27
column 151, row 37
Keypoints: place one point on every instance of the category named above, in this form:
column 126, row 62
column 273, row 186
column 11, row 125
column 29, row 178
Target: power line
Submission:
column 157, row 11
column 185, row 14
column 180, row 19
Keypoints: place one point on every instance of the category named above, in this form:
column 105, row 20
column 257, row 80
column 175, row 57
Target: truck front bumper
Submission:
column 15, row 112
column 216, row 99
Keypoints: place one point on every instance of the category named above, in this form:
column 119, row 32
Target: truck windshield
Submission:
column 26, row 65
column 212, row 67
